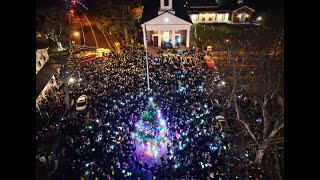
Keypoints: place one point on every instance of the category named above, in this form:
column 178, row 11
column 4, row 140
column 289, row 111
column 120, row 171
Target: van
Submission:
column 101, row 52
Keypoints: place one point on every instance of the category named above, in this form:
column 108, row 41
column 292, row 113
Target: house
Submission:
column 209, row 11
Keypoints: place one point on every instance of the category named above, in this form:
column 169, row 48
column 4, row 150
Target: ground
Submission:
column 213, row 34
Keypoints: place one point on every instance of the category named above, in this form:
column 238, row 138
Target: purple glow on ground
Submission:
column 151, row 141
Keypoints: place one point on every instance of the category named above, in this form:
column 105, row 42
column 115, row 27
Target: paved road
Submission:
column 103, row 40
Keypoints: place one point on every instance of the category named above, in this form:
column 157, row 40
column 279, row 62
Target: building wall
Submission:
column 42, row 57
column 210, row 17
column 183, row 35
column 235, row 14
column 149, row 37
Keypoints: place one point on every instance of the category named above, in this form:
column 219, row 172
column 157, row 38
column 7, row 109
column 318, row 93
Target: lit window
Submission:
column 194, row 17
column 226, row 17
column 242, row 16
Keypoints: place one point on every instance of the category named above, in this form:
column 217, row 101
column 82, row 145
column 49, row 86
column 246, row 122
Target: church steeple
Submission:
column 166, row 5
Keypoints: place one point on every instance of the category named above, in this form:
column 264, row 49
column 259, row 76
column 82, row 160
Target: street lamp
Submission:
column 72, row 43
column 259, row 18
column 76, row 33
column 223, row 83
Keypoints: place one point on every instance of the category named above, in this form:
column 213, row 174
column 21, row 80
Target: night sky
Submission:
column 258, row 5
column 262, row 5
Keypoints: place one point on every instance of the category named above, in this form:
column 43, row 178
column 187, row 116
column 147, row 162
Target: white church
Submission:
column 169, row 24
column 171, row 21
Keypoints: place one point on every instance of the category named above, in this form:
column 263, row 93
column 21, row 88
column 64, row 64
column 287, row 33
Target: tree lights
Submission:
column 150, row 132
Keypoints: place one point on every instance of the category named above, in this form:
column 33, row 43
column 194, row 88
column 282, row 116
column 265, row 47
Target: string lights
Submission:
column 150, row 131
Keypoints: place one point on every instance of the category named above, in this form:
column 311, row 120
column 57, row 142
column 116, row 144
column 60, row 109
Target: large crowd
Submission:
column 98, row 143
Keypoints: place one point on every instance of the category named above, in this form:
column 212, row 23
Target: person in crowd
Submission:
column 100, row 145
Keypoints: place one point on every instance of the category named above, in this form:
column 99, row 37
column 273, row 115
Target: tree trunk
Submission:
column 265, row 118
column 66, row 92
column 125, row 30
column 277, row 165
column 234, row 96
column 260, row 153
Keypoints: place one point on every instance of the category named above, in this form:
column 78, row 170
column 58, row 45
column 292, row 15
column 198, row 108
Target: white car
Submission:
column 82, row 103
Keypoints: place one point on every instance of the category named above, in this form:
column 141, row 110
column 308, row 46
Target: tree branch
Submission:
column 274, row 132
column 249, row 131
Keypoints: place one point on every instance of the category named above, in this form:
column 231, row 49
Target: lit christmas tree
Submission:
column 150, row 133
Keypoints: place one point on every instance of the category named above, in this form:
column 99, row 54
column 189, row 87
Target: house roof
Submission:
column 174, row 20
column 151, row 8
column 202, row 3
column 210, row 5
column 203, row 10
column 239, row 7
column 44, row 75
column 234, row 6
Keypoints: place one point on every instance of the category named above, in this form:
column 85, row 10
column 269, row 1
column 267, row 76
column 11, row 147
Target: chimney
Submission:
column 240, row 1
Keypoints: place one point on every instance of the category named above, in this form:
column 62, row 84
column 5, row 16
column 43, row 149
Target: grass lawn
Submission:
column 215, row 34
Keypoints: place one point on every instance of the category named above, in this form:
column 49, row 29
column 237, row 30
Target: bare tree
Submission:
column 52, row 21
column 253, row 72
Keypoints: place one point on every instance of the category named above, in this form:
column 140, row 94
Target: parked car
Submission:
column 82, row 103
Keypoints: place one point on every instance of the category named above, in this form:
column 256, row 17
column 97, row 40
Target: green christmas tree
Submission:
column 150, row 130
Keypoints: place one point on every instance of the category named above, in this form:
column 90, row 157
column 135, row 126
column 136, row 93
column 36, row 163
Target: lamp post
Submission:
column 146, row 46
column 65, row 80
column 74, row 34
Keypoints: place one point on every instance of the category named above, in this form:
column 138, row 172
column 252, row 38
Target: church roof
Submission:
column 151, row 8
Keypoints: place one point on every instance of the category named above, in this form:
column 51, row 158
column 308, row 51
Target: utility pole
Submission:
column 65, row 80
column 146, row 46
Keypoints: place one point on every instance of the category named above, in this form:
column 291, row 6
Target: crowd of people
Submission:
column 97, row 143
